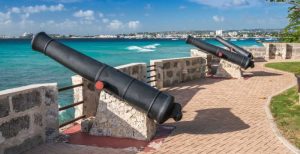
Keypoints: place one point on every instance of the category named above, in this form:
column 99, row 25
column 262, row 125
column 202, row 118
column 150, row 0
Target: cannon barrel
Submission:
column 240, row 60
column 236, row 48
column 158, row 105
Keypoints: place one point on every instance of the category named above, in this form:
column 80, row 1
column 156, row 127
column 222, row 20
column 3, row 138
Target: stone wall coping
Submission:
column 23, row 88
column 172, row 59
column 255, row 47
column 129, row 65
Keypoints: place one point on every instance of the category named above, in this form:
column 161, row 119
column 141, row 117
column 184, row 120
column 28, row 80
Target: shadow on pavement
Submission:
column 261, row 73
column 211, row 121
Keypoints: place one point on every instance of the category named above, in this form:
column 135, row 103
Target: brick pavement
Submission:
column 220, row 116
column 227, row 116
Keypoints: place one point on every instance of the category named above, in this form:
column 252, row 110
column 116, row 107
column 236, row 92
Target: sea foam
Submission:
column 147, row 48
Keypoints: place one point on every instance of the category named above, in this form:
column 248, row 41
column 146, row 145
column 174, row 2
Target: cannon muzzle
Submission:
column 236, row 48
column 235, row 58
column 158, row 105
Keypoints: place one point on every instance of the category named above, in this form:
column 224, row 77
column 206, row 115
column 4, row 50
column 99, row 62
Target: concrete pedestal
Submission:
column 115, row 117
column 228, row 70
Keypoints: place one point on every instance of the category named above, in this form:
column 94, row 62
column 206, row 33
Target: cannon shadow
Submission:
column 211, row 121
column 260, row 73
column 206, row 121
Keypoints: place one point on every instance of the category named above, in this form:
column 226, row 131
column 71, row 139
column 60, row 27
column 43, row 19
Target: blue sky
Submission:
column 125, row 16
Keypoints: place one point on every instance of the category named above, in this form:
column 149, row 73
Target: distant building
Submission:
column 232, row 34
column 26, row 35
column 245, row 35
column 219, row 32
column 211, row 33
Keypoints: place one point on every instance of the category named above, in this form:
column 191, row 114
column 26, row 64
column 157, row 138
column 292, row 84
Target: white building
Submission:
column 232, row 34
column 245, row 35
column 219, row 32
column 27, row 35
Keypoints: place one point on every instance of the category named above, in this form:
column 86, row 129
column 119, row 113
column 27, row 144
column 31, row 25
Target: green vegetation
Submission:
column 286, row 112
column 291, row 32
column 293, row 67
column 285, row 107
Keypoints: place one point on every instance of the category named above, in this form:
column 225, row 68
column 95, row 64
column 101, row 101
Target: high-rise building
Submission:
column 219, row 32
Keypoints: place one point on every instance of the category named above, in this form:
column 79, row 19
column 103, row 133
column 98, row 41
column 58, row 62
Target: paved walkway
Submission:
column 220, row 116
column 227, row 116
column 63, row 148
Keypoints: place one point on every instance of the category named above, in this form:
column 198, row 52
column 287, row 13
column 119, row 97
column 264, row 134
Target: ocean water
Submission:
column 20, row 66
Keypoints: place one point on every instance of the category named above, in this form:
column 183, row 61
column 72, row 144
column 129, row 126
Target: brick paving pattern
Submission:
column 227, row 116
column 220, row 116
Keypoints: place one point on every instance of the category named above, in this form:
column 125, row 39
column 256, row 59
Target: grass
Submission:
column 285, row 107
column 293, row 67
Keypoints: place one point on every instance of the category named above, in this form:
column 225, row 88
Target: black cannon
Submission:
column 158, row 105
column 243, row 61
column 234, row 47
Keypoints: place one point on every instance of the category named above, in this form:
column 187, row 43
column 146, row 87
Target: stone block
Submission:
column 228, row 70
column 87, row 124
column 50, row 96
column 170, row 74
column 166, row 65
column 25, row 146
column 51, row 118
column 4, row 107
column 50, row 132
column 187, row 62
column 25, row 101
column 38, row 119
column 119, row 119
column 14, row 126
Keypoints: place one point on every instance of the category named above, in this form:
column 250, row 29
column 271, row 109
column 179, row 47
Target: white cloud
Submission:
column 40, row 8
column 182, row 7
column 218, row 18
column 115, row 25
column 227, row 3
column 87, row 15
column 5, row 18
column 105, row 20
column 133, row 24
column 15, row 10
column 101, row 15
column 36, row 9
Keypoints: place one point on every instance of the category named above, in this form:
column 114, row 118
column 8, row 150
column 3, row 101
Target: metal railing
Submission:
column 71, row 105
column 151, row 79
column 69, row 87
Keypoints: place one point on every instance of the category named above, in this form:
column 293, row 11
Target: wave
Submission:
column 152, row 46
column 139, row 49
column 147, row 48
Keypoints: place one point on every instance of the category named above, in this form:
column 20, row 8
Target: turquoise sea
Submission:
column 20, row 66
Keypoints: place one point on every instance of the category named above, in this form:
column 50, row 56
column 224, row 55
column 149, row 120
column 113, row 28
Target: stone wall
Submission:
column 212, row 62
column 113, row 116
column 169, row 72
column 293, row 50
column 282, row 50
column 259, row 53
column 276, row 51
column 28, row 117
